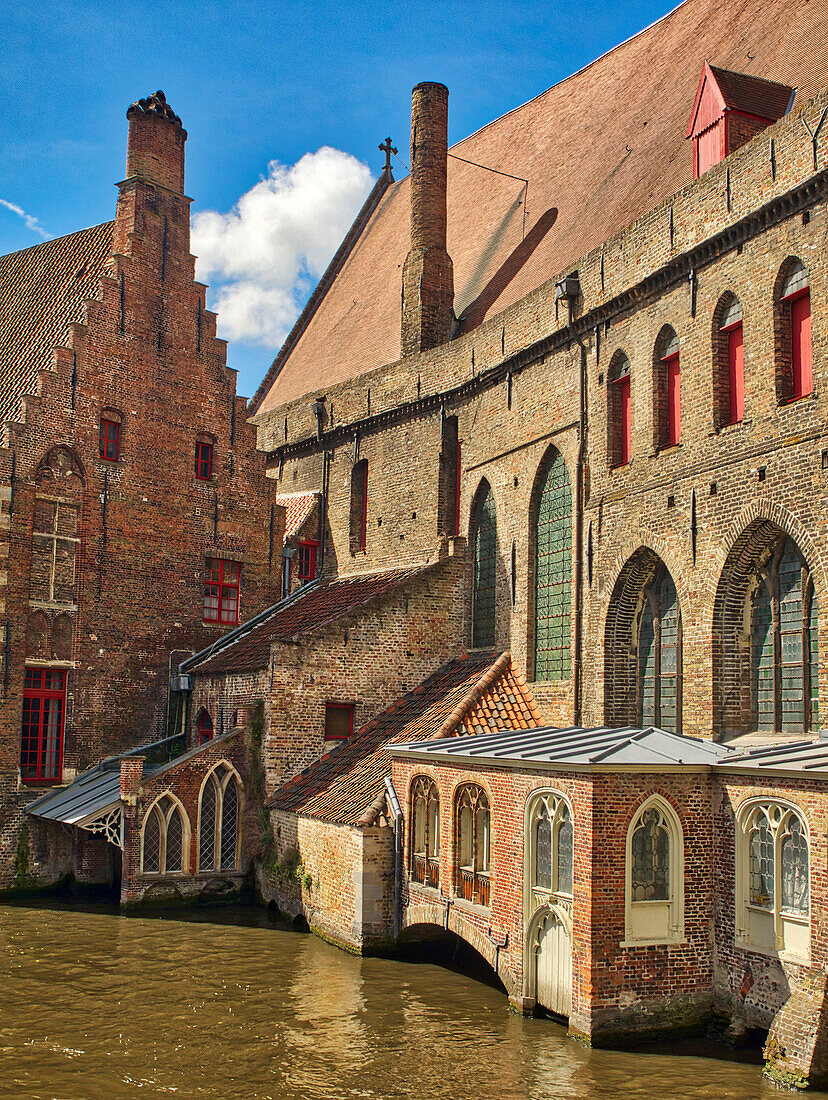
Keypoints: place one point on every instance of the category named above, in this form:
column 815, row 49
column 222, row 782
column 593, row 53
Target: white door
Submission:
column 554, row 966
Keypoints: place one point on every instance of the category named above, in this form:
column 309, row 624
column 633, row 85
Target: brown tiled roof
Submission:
column 41, row 292
column 600, row 148
column 246, row 649
column 754, row 96
column 477, row 693
column 297, row 509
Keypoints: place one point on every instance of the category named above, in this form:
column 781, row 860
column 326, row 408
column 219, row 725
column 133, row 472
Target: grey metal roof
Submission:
column 798, row 756
column 88, row 796
column 574, row 746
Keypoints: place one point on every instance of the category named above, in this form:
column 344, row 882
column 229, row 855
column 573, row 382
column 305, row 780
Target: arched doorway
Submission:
column 551, row 959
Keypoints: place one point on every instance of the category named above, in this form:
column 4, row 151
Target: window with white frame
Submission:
column 164, row 838
column 550, row 849
column 773, row 880
column 219, row 822
column 654, row 891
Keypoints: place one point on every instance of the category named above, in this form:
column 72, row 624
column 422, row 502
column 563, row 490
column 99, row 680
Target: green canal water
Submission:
column 95, row 1005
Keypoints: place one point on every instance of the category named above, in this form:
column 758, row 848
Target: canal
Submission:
column 95, row 1005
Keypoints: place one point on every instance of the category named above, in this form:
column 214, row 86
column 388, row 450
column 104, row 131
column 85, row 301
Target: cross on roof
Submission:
column 388, row 149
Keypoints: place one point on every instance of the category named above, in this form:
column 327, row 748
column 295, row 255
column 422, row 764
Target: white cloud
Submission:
column 30, row 221
column 267, row 253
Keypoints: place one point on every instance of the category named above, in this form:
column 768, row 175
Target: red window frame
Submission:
column 203, row 460
column 624, row 442
column 673, row 369
column 306, row 560
column 43, row 726
column 205, row 728
column 221, row 591
column 798, row 305
column 329, row 708
column 109, row 440
column 735, row 370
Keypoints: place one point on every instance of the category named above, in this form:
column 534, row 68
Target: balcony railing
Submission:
column 472, row 886
column 426, row 870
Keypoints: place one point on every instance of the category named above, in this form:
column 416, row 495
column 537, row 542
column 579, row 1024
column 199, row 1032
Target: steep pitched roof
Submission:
column 42, row 290
column 724, row 90
column 473, row 694
column 247, row 648
column 598, row 149
column 297, row 509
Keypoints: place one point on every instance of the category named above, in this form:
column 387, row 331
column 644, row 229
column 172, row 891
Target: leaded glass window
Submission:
column 659, row 656
column 220, row 821
column 650, row 858
column 795, row 890
column 761, row 865
column 553, row 568
column 484, row 564
column 543, row 852
column 549, row 850
column 564, row 850
column 773, row 868
column 151, row 862
column 163, row 839
column 472, row 844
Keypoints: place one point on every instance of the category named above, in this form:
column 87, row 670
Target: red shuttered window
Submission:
column 203, row 460
column 221, row 591
column 736, row 372
column 801, row 351
column 306, row 560
column 44, row 708
column 624, row 447
column 671, row 363
column 205, row 728
column 109, row 440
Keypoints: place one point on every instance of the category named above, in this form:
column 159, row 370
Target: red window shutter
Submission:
column 736, row 370
column 205, row 729
column 364, row 517
column 625, row 442
column 710, row 147
column 673, row 400
column 801, row 353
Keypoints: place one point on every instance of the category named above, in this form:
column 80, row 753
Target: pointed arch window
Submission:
column 449, row 487
column 549, row 844
column 164, row 837
column 484, row 565
column 219, row 821
column 655, row 875
column 472, row 832
column 205, row 728
column 794, row 353
column 425, row 832
column 667, row 390
column 660, row 656
column 729, row 363
column 553, row 572
column 773, row 880
column 359, row 506
column 619, row 411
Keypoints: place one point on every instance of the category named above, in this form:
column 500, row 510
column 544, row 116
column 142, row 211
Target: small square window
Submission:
column 203, row 460
column 109, row 440
column 339, row 721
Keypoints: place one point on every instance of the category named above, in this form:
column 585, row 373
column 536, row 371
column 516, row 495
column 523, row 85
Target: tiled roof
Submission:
column 600, row 148
column 297, row 509
column 248, row 647
column 576, row 747
column 476, row 693
column 751, row 94
column 41, row 292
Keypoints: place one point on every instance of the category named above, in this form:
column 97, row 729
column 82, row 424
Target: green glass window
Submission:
column 553, row 568
column 484, row 539
column 659, row 657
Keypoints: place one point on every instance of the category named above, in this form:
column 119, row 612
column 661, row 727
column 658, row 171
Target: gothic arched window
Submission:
column 666, row 390
column 655, row 875
column 728, row 362
column 794, row 353
column 219, row 821
column 484, row 566
column 549, row 846
column 553, row 570
column 472, row 841
column 164, row 837
column 619, row 411
column 659, row 656
column 425, row 831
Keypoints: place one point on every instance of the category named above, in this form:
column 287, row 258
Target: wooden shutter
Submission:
column 625, row 442
column 736, row 371
column 801, row 353
column 673, row 400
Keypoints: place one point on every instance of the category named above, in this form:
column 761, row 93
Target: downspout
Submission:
column 397, row 812
column 323, row 511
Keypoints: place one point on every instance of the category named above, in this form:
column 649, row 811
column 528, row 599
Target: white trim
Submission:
column 674, row 904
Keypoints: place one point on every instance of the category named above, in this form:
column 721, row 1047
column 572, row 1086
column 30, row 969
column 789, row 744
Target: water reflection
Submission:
column 100, row 1006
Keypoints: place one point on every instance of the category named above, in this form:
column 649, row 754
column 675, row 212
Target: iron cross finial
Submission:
column 388, row 149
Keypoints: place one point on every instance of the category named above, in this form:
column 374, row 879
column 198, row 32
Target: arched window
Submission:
column 666, row 390
column 794, row 356
column 784, row 643
column 449, row 488
column 619, row 411
column 484, row 565
column 164, row 837
column 219, row 821
column 425, row 832
column 204, row 728
column 728, row 363
column 553, row 570
column 659, row 656
column 472, row 844
column 773, row 880
column 549, row 850
column 359, row 506
column 655, row 875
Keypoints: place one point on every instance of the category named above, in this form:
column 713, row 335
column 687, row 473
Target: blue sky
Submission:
column 256, row 83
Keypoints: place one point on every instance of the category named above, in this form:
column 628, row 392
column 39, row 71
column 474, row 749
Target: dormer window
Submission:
column 729, row 109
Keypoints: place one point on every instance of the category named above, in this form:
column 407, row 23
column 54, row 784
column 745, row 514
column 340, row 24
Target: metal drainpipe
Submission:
column 579, row 519
column 397, row 812
column 323, row 510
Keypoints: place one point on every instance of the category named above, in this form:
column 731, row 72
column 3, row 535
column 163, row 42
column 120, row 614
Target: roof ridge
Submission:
column 56, row 240
column 494, row 672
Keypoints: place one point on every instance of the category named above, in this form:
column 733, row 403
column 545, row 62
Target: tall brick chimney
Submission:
column 428, row 275
column 155, row 146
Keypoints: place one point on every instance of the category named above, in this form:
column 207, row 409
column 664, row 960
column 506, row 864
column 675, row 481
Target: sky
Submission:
column 285, row 104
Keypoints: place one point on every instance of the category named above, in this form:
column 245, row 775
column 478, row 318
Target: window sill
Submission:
column 796, row 400
column 621, row 465
column 49, row 605
column 215, row 622
column 782, row 956
column 667, row 448
column 734, row 425
column 673, row 941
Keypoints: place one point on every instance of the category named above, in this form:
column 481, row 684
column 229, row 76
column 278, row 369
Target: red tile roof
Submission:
column 600, row 148
column 297, row 509
column 749, row 93
column 248, row 647
column 477, row 693
column 42, row 290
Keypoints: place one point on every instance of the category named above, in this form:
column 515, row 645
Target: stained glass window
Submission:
column 484, row 544
column 795, row 890
column 553, row 558
column 543, row 852
column 761, row 865
column 659, row 656
column 650, row 858
column 565, row 852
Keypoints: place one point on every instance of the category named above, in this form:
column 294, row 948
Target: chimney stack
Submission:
column 428, row 276
column 155, row 146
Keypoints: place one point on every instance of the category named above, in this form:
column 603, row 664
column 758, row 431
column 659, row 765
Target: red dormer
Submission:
column 729, row 110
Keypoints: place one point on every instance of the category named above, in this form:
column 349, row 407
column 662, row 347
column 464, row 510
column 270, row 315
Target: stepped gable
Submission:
column 42, row 291
column 476, row 693
column 598, row 149
column 247, row 648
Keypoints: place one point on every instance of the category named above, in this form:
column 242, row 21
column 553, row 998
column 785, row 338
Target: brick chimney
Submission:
column 428, row 276
column 155, row 146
